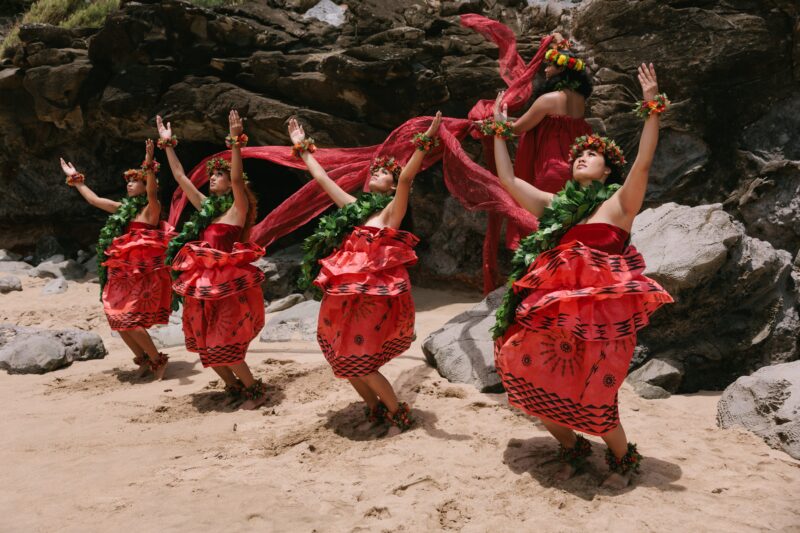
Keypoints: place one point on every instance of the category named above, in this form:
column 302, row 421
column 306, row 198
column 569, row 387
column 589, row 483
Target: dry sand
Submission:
column 90, row 448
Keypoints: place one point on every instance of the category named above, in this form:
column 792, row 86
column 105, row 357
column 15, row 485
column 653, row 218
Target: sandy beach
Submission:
column 91, row 448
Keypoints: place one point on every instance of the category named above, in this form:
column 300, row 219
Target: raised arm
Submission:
column 630, row 197
column 339, row 196
column 529, row 197
column 240, row 201
column 153, row 203
column 88, row 194
column 396, row 210
column 194, row 196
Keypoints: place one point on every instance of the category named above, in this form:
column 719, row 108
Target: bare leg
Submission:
column 242, row 371
column 366, row 393
column 142, row 338
column 138, row 352
column 381, row 387
column 567, row 438
column 617, row 442
column 226, row 374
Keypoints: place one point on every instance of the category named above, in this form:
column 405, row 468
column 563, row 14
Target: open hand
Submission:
column 296, row 132
column 433, row 129
column 235, row 123
column 648, row 81
column 500, row 108
column 68, row 168
column 164, row 132
column 149, row 149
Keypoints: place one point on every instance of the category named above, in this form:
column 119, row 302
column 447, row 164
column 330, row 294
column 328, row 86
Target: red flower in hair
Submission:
column 217, row 163
column 388, row 163
column 133, row 174
column 612, row 153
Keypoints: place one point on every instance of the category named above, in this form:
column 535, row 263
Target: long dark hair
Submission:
column 580, row 80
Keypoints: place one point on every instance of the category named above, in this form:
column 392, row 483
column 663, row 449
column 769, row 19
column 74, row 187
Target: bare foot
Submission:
column 255, row 403
column 617, row 481
column 143, row 370
column 565, row 472
column 159, row 372
column 393, row 432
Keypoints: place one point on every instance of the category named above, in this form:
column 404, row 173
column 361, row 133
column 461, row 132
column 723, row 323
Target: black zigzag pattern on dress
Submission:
column 538, row 402
column 136, row 319
column 221, row 290
column 355, row 366
column 397, row 287
column 223, row 355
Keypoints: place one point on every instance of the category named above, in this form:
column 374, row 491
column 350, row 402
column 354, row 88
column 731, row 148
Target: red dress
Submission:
column 367, row 313
column 568, row 352
column 223, row 306
column 542, row 158
column 138, row 291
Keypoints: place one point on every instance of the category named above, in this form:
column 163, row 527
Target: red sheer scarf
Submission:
column 475, row 187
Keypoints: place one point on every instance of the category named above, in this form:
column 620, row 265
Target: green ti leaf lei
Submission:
column 566, row 84
column 571, row 205
column 332, row 230
column 116, row 224
column 211, row 208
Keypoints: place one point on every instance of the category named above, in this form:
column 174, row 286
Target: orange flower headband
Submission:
column 134, row 174
column 612, row 153
column 217, row 163
column 388, row 163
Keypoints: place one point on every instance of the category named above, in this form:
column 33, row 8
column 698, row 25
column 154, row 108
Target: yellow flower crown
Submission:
column 566, row 60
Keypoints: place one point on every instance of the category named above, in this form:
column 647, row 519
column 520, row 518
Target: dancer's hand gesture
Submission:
column 296, row 132
column 149, row 149
column 164, row 132
column 648, row 81
column 433, row 129
column 500, row 109
column 68, row 168
column 235, row 123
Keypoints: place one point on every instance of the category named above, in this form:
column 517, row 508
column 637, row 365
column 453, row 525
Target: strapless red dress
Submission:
column 138, row 291
column 367, row 313
column 542, row 158
column 569, row 351
column 223, row 306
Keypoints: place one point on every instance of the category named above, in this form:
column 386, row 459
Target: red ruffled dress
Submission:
column 566, row 356
column 542, row 158
column 138, row 291
column 223, row 306
column 367, row 313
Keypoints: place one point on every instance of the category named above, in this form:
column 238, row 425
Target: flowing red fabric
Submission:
column 475, row 187
column 138, row 293
column 542, row 159
column 367, row 313
column 223, row 306
column 569, row 350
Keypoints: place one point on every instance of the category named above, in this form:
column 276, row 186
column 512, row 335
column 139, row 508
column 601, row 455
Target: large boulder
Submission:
column 735, row 304
column 281, row 270
column 69, row 270
column 298, row 323
column 768, row 404
column 657, row 378
column 462, row 350
column 25, row 350
column 170, row 334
